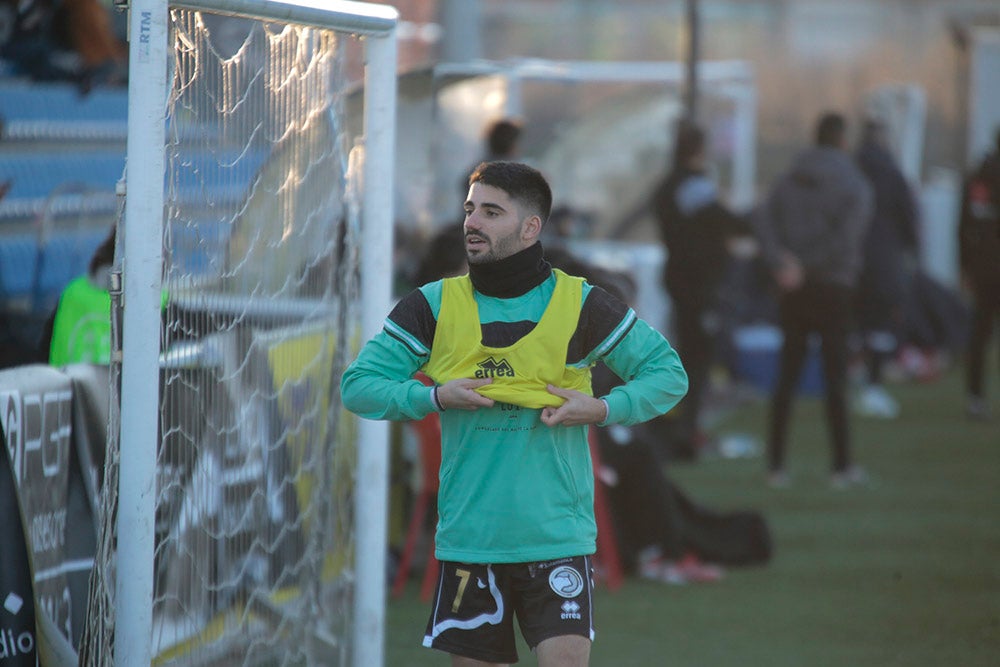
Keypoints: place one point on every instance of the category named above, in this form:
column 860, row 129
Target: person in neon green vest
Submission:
column 79, row 330
column 510, row 346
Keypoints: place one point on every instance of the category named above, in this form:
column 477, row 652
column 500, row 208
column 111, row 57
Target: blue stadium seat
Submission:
column 18, row 255
column 60, row 142
column 36, row 175
column 30, row 104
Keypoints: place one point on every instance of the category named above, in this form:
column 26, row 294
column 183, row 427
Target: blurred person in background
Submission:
column 700, row 234
column 979, row 260
column 890, row 252
column 662, row 534
column 79, row 329
column 501, row 141
column 64, row 40
column 811, row 228
column 90, row 32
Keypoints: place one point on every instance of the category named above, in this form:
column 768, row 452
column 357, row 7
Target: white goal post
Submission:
column 143, row 288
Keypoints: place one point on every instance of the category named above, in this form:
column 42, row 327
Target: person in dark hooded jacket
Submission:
column 811, row 229
column 979, row 259
column 890, row 243
column 698, row 231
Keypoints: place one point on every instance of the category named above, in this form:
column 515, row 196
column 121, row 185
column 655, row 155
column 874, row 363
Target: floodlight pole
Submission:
column 691, row 92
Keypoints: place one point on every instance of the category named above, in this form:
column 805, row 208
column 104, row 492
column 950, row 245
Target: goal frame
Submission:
column 141, row 289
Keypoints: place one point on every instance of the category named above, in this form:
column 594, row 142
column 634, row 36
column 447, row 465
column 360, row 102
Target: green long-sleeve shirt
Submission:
column 511, row 488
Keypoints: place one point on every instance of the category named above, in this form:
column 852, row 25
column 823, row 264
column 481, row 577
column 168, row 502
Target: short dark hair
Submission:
column 104, row 255
column 831, row 128
column 524, row 184
column 501, row 138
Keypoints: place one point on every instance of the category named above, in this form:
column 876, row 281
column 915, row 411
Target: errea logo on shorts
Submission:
column 566, row 581
column 570, row 610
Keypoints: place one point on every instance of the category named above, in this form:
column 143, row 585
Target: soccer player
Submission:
column 510, row 346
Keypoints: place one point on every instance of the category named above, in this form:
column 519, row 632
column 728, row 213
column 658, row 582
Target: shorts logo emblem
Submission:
column 566, row 581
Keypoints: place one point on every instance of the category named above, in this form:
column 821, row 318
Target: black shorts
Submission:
column 472, row 614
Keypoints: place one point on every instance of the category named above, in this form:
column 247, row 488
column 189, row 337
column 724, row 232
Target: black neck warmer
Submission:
column 511, row 276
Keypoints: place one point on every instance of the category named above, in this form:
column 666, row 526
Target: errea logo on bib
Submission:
column 491, row 368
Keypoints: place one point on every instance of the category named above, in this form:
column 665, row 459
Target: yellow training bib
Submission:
column 521, row 371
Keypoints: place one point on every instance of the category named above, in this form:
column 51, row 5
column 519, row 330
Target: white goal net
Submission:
column 253, row 534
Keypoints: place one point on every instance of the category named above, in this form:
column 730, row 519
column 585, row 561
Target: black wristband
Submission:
column 437, row 401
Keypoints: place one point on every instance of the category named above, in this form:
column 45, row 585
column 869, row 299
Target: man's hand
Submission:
column 578, row 409
column 461, row 394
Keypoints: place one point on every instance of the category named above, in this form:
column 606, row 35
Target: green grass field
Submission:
column 904, row 572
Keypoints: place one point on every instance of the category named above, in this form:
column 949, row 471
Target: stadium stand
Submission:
column 61, row 155
column 35, row 111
